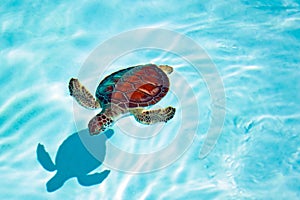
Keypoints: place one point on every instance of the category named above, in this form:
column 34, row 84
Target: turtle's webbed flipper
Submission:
column 82, row 95
column 153, row 116
column 93, row 179
column 166, row 68
column 44, row 158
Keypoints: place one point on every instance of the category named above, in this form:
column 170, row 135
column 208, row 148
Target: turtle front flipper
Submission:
column 93, row 179
column 153, row 116
column 82, row 95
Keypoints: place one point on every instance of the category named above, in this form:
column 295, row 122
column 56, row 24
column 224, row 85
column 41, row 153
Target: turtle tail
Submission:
column 44, row 158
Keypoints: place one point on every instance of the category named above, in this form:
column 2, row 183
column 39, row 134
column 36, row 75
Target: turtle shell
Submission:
column 138, row 86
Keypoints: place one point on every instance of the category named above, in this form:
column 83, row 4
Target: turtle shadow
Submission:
column 74, row 160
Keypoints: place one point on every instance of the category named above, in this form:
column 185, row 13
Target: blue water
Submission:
column 255, row 47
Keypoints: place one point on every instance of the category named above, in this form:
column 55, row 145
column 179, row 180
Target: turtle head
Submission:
column 99, row 124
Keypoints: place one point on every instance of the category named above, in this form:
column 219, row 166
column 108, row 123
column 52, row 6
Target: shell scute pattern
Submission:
column 138, row 86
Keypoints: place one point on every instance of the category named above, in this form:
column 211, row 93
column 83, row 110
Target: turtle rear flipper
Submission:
column 82, row 95
column 44, row 158
column 166, row 68
column 93, row 179
column 153, row 116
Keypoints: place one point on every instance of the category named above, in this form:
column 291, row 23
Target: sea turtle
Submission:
column 74, row 160
column 126, row 91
